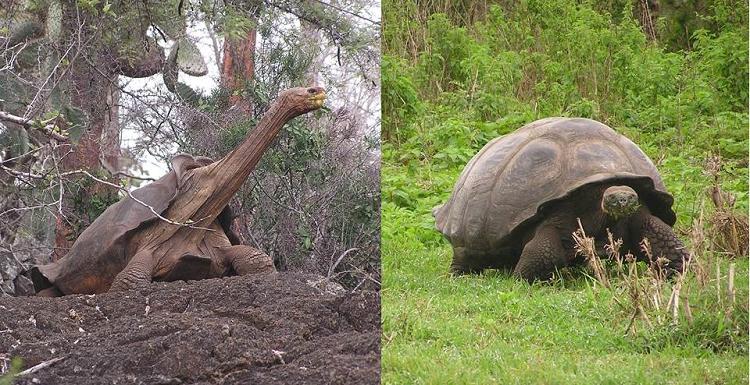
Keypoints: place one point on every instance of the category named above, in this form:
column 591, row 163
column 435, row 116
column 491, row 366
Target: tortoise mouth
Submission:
column 620, row 201
column 318, row 99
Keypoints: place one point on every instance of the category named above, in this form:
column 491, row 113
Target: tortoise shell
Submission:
column 508, row 183
column 103, row 245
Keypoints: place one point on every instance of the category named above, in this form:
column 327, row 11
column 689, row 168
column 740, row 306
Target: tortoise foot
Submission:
column 248, row 260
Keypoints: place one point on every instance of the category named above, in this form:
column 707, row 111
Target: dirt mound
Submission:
column 238, row 330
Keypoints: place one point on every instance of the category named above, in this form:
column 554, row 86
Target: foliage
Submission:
column 89, row 201
column 235, row 24
column 401, row 100
column 15, row 367
column 680, row 19
column 474, row 85
column 460, row 79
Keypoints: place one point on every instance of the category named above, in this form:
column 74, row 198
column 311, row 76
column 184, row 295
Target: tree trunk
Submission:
column 92, row 90
column 238, row 69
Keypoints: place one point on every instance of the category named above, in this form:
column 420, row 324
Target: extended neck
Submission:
column 205, row 191
column 240, row 162
column 229, row 173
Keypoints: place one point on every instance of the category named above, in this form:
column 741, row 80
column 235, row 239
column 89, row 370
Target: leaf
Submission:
column 77, row 120
column 54, row 21
column 26, row 31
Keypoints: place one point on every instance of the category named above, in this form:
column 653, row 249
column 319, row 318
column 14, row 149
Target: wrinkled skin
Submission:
column 128, row 245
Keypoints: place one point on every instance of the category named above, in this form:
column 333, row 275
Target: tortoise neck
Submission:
column 230, row 172
column 236, row 166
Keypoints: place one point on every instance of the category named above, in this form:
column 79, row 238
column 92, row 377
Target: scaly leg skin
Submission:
column 661, row 238
column 541, row 255
column 465, row 262
column 137, row 273
column 248, row 260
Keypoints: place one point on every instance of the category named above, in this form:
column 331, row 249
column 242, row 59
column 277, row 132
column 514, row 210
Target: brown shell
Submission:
column 102, row 247
column 508, row 182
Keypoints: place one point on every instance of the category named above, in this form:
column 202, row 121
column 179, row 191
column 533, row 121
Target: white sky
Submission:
column 200, row 36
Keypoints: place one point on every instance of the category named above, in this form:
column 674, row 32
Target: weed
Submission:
column 9, row 369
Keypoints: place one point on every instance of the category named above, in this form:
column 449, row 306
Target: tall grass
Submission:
column 698, row 306
column 456, row 76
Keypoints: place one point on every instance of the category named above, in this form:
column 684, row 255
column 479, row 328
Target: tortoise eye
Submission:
column 312, row 90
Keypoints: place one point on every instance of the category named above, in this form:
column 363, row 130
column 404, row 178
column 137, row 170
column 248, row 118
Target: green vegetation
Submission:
column 10, row 370
column 453, row 81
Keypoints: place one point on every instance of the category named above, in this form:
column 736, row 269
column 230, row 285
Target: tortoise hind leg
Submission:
column 541, row 255
column 248, row 260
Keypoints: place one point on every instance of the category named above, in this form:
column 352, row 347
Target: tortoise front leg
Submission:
column 248, row 260
column 138, row 272
column 541, row 255
column 661, row 238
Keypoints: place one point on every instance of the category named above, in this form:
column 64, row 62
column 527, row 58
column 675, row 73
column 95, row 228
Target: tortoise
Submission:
column 518, row 200
column 190, row 238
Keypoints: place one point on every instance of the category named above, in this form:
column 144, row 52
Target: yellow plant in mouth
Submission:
column 318, row 99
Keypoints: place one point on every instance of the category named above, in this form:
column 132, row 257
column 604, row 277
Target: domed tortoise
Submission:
column 516, row 203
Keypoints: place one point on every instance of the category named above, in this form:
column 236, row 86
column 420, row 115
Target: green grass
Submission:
column 453, row 81
column 492, row 328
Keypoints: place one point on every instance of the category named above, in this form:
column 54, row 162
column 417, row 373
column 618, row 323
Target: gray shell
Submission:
column 509, row 181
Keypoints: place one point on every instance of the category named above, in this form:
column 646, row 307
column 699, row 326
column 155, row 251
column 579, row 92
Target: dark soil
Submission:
column 239, row 330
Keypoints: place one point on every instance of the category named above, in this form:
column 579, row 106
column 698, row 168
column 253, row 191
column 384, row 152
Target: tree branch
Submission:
column 102, row 181
column 47, row 129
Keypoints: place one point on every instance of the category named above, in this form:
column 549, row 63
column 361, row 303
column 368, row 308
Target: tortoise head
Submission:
column 620, row 202
column 301, row 100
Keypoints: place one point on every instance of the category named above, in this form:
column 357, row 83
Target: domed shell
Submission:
column 507, row 182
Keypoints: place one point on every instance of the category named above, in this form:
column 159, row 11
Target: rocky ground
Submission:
column 283, row 329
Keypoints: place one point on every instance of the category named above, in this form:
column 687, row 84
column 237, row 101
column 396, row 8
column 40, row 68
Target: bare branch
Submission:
column 45, row 127
column 341, row 257
column 110, row 184
column 41, row 366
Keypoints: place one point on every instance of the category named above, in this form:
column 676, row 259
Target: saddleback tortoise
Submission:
column 178, row 227
column 518, row 201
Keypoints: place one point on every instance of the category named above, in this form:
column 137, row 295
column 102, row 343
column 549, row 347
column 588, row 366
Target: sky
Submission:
column 199, row 34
